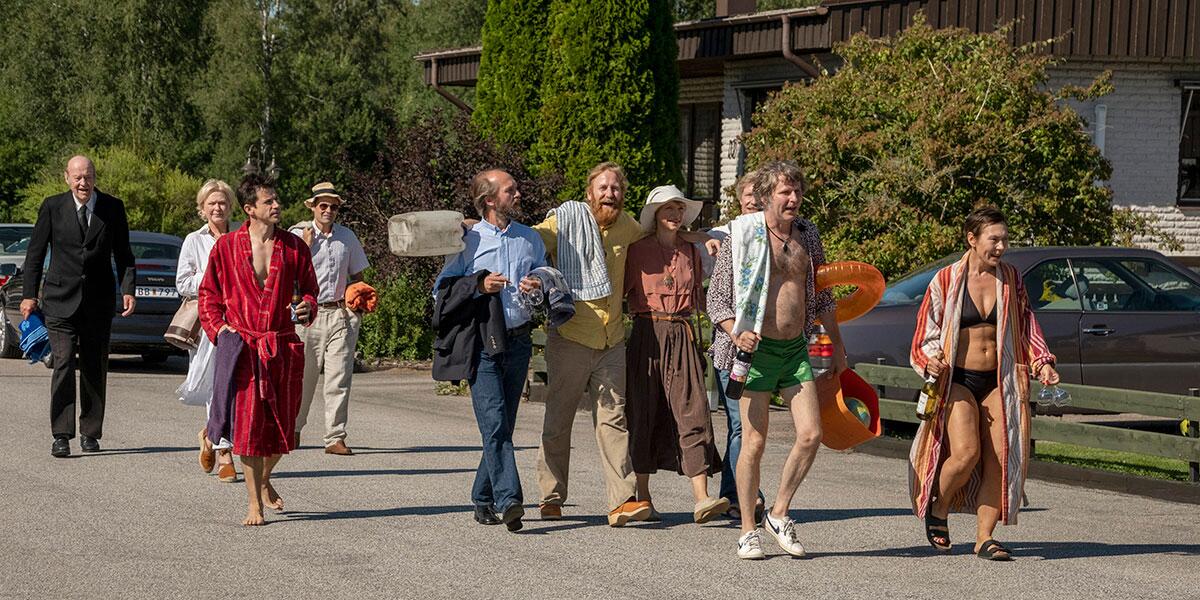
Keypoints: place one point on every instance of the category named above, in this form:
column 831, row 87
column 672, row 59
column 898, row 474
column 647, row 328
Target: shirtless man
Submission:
column 246, row 305
column 780, row 350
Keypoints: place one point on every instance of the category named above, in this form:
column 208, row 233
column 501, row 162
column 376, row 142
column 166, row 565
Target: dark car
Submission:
column 14, row 237
column 1114, row 317
column 156, row 255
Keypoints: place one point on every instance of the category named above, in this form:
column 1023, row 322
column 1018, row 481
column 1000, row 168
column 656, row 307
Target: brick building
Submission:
column 1149, row 127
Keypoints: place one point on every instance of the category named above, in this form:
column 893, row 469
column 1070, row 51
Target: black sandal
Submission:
column 993, row 550
column 936, row 529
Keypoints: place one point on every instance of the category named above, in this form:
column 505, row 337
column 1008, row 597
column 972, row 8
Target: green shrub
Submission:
column 399, row 328
column 157, row 197
column 916, row 130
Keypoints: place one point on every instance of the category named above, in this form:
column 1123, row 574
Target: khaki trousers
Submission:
column 329, row 347
column 572, row 370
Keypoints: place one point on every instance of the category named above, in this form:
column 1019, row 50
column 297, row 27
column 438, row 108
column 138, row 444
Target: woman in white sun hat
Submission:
column 666, row 403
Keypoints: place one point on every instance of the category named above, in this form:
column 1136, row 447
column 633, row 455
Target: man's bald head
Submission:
column 81, row 177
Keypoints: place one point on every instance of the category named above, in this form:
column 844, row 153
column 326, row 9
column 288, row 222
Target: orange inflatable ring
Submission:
column 866, row 278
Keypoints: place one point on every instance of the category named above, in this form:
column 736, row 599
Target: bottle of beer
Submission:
column 927, row 404
column 296, row 300
column 738, row 375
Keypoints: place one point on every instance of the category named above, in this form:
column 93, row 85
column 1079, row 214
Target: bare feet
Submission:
column 273, row 501
column 254, row 517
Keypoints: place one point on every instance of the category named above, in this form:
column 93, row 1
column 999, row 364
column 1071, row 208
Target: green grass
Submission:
column 1110, row 460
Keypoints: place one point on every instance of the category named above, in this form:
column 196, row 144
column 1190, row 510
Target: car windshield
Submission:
column 18, row 246
column 154, row 250
column 910, row 289
column 10, row 234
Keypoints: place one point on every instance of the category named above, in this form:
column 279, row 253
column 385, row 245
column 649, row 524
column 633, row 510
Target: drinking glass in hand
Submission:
column 1052, row 394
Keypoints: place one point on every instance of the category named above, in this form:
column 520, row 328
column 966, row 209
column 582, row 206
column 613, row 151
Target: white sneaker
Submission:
column 750, row 546
column 784, row 532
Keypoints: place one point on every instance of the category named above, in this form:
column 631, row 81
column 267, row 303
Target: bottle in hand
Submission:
column 738, row 375
column 296, row 300
column 930, row 399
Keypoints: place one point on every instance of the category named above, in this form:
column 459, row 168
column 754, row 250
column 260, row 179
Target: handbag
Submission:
column 184, row 330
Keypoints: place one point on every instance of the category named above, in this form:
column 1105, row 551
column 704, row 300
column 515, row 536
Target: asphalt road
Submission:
column 140, row 520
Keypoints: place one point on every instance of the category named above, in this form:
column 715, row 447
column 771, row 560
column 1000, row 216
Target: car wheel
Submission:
column 9, row 338
column 154, row 358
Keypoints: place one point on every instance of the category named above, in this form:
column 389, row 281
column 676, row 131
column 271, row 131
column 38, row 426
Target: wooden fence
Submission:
column 1054, row 429
column 1044, row 427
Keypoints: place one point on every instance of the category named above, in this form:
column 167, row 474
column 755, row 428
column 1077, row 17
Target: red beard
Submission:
column 605, row 215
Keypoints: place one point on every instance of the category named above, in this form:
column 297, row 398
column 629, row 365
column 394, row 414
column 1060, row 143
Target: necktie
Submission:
column 83, row 220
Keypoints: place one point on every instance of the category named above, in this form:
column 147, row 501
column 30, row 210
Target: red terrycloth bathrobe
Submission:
column 270, row 369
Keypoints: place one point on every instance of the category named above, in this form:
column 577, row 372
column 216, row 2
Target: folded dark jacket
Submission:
column 465, row 322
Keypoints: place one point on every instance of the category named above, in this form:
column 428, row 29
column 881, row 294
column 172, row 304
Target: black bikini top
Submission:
column 970, row 313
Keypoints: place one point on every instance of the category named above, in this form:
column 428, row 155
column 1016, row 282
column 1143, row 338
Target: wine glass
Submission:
column 1053, row 395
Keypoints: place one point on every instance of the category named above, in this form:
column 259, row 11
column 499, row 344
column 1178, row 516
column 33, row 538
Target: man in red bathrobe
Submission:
column 259, row 284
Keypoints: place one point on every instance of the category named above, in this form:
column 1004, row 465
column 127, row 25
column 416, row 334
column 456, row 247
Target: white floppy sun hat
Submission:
column 662, row 195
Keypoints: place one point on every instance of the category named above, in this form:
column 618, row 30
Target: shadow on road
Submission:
column 359, row 473
column 136, row 366
column 1057, row 550
column 400, row 511
column 428, row 449
column 824, row 515
column 146, row 450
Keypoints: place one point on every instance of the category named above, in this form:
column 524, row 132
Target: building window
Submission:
column 1189, row 146
column 699, row 144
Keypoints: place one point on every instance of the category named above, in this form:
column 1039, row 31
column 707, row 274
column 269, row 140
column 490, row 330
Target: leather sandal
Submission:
column 993, row 550
column 937, row 531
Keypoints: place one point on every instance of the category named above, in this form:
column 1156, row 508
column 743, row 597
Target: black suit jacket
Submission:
column 81, row 267
column 465, row 323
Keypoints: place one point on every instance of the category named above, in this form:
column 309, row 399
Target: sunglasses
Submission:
column 327, row 206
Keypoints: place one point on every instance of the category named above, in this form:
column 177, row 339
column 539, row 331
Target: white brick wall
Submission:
column 1141, row 140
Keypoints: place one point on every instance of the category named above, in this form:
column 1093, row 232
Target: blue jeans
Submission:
column 495, row 394
column 733, row 442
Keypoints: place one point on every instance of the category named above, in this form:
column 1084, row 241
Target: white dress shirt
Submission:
column 193, row 261
column 336, row 256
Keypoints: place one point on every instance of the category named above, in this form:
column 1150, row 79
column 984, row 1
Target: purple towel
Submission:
column 220, row 417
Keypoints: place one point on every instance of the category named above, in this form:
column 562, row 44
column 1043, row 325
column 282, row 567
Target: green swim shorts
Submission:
column 779, row 364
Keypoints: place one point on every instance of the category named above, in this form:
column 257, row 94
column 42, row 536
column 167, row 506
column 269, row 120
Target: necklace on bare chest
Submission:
column 783, row 240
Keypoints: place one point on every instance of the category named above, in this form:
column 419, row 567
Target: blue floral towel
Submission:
column 751, row 271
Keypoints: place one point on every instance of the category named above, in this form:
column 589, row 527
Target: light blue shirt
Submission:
column 512, row 252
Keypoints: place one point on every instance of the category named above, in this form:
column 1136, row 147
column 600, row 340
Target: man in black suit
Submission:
column 88, row 232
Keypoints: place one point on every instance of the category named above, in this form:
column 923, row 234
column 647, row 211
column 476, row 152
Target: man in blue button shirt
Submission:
column 510, row 251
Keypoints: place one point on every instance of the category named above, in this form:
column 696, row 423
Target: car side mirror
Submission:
column 9, row 270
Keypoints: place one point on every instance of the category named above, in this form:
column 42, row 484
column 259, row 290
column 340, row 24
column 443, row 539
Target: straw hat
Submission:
column 322, row 190
column 662, row 195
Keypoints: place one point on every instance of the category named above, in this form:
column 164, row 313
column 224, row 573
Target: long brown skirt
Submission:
column 666, row 404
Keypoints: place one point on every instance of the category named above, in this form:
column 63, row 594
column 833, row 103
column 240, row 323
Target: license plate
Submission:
column 149, row 291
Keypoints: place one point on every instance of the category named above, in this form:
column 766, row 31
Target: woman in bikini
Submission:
column 977, row 334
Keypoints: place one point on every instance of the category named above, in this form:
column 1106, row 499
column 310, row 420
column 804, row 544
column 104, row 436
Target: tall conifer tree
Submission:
column 609, row 92
column 515, row 35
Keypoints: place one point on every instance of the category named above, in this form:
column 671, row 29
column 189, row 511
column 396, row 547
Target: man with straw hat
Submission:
column 339, row 260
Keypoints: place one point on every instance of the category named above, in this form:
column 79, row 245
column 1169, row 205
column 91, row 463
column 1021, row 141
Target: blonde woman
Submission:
column 213, row 203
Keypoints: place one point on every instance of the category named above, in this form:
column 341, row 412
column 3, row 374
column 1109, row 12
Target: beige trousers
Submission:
column 572, row 370
column 329, row 347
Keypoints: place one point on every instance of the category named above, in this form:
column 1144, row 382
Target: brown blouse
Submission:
column 660, row 279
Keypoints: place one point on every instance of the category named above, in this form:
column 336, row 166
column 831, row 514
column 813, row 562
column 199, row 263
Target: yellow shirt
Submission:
column 597, row 323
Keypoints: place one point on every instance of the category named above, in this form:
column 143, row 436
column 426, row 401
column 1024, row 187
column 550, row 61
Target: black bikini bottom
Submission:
column 979, row 383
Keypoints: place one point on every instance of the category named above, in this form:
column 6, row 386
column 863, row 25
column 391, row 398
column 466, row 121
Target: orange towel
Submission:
column 361, row 297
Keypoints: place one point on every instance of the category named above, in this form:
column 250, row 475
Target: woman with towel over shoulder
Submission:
column 977, row 335
column 212, row 203
column 666, row 403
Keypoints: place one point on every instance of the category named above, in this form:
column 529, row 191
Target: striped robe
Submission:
column 1022, row 351
column 270, row 369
